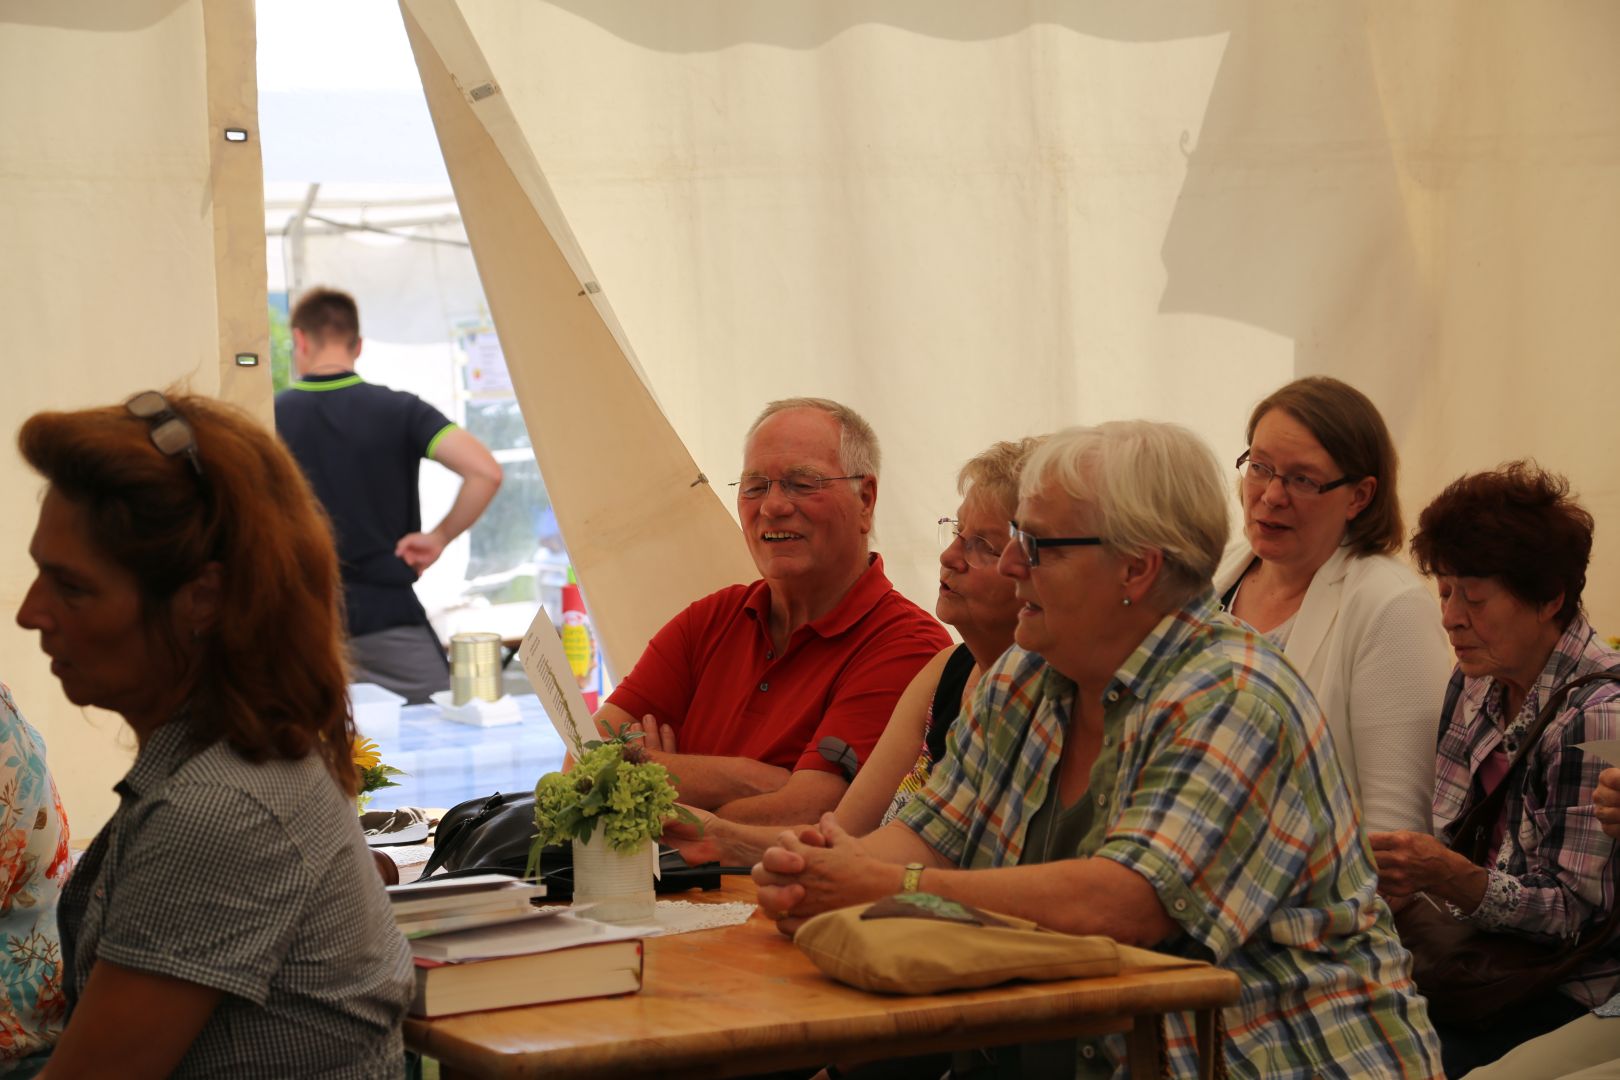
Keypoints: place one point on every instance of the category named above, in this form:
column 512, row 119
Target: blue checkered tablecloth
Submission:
column 447, row 763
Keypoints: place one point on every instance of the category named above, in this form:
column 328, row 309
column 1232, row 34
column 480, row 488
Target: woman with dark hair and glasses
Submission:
column 1509, row 550
column 1315, row 572
column 978, row 602
column 228, row 919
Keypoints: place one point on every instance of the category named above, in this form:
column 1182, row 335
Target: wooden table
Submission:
column 743, row 999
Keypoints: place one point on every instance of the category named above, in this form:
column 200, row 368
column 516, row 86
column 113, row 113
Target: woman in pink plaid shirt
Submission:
column 1509, row 550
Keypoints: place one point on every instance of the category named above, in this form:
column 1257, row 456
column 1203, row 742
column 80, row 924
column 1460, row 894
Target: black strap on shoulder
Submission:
column 947, row 700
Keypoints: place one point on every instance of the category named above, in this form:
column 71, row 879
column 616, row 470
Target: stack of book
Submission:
column 439, row 905
column 479, row 943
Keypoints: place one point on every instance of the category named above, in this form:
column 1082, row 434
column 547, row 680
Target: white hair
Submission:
column 858, row 452
column 1153, row 486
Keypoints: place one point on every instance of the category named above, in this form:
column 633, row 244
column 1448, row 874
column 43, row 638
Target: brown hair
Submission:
column 327, row 315
column 269, row 677
column 1517, row 524
column 1350, row 429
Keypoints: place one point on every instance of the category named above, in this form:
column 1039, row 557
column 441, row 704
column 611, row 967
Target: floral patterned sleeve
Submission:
column 34, row 865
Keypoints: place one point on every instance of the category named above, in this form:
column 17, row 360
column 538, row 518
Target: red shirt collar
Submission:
column 872, row 586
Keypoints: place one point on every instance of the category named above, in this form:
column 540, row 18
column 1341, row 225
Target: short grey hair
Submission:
column 993, row 474
column 858, row 452
column 1154, row 486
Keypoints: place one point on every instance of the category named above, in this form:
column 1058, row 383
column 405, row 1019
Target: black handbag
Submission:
column 1475, row 977
column 487, row 835
column 493, row 835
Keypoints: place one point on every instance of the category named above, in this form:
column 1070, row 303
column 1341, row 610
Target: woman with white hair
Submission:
column 1143, row 766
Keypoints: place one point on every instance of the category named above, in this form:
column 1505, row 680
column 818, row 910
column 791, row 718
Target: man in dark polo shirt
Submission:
column 361, row 445
column 763, row 699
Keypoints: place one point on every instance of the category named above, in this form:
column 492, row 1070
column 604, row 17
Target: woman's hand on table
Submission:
column 698, row 844
column 819, row 868
column 1607, row 799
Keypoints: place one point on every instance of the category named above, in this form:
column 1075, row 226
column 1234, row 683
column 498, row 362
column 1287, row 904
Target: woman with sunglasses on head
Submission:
column 1315, row 572
column 227, row 920
column 978, row 602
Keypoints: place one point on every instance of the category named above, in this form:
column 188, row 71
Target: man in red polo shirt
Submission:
column 775, row 692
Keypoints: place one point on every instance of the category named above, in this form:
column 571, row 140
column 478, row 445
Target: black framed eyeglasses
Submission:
column 975, row 549
column 1261, row 475
column 1031, row 545
column 794, row 485
column 168, row 430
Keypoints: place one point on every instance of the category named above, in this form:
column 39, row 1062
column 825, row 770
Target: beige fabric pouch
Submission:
column 919, row 943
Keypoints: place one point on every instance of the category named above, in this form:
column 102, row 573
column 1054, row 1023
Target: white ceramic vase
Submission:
column 610, row 886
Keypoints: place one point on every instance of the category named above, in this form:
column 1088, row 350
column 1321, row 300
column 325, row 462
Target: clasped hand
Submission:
column 817, row 868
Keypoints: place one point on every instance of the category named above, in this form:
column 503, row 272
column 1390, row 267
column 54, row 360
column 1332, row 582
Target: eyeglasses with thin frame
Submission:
column 1031, row 545
column 975, row 549
column 1260, row 476
column 167, row 429
column 794, row 485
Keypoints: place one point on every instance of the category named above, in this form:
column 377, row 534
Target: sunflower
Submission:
column 369, row 767
column 366, row 754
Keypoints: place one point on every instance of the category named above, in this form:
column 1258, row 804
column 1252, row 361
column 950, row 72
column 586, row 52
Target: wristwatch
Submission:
column 912, row 878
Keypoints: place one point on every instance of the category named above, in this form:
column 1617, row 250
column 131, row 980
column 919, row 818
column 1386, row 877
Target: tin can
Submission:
column 475, row 667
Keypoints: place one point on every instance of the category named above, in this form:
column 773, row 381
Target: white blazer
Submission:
column 1369, row 643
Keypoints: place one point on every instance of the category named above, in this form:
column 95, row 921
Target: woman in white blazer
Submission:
column 1315, row 573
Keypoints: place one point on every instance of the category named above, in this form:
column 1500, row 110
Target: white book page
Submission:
column 1607, row 749
column 562, row 931
column 553, row 680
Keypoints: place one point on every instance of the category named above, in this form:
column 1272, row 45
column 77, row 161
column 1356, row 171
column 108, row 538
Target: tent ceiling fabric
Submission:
column 974, row 221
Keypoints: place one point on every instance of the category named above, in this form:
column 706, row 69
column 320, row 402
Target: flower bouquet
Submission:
column 614, row 786
column 618, row 796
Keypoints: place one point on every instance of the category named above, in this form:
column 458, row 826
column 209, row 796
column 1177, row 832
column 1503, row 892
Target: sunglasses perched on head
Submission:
column 167, row 429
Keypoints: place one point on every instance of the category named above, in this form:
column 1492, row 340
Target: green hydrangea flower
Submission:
column 613, row 786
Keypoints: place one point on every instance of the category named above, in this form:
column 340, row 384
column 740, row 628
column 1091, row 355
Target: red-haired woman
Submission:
column 227, row 920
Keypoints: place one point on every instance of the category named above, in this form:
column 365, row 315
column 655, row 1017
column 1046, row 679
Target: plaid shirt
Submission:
column 1217, row 783
column 1553, row 872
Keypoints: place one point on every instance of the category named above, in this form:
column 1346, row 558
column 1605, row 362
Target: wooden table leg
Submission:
column 1146, row 1046
column 1209, row 1048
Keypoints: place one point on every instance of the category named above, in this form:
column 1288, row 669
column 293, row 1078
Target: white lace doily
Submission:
column 683, row 917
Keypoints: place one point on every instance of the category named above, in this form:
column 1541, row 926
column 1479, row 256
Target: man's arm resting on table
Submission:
column 711, row 782
column 807, row 795
column 1075, row 896
column 131, row 1023
column 704, row 781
